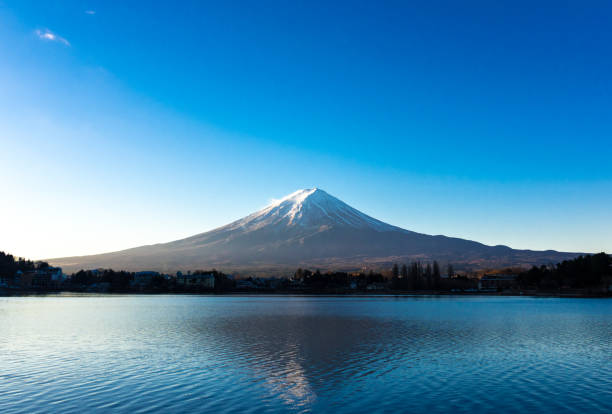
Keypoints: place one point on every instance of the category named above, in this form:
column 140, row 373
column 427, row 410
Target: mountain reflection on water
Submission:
column 305, row 354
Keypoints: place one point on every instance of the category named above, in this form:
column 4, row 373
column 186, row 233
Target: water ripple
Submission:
column 142, row 354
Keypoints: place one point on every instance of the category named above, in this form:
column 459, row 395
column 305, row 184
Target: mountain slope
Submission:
column 308, row 228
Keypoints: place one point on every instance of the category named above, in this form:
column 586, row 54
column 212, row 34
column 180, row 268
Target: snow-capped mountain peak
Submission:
column 311, row 207
column 308, row 228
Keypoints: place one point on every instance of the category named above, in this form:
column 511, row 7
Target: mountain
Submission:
column 309, row 228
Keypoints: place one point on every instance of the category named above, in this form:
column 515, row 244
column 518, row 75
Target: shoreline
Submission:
column 542, row 294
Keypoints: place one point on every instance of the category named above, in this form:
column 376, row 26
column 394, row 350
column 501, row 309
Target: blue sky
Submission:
column 143, row 122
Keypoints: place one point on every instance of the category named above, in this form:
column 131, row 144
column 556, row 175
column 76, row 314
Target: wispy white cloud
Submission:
column 50, row 36
column 90, row 12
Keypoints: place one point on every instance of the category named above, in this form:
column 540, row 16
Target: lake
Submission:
column 280, row 354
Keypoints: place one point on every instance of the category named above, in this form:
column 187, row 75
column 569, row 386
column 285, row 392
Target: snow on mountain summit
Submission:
column 310, row 208
column 307, row 228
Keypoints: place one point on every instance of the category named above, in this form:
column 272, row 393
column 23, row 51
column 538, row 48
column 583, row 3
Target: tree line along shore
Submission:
column 588, row 275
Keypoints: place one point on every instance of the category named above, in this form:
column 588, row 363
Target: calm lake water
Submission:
column 281, row 354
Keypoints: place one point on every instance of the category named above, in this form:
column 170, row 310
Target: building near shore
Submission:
column 144, row 277
column 198, row 280
column 10, row 281
column 45, row 278
column 497, row 282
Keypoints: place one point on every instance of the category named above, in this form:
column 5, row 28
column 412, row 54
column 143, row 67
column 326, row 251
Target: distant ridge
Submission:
column 308, row 228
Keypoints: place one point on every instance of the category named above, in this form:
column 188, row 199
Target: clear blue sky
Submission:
column 137, row 122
